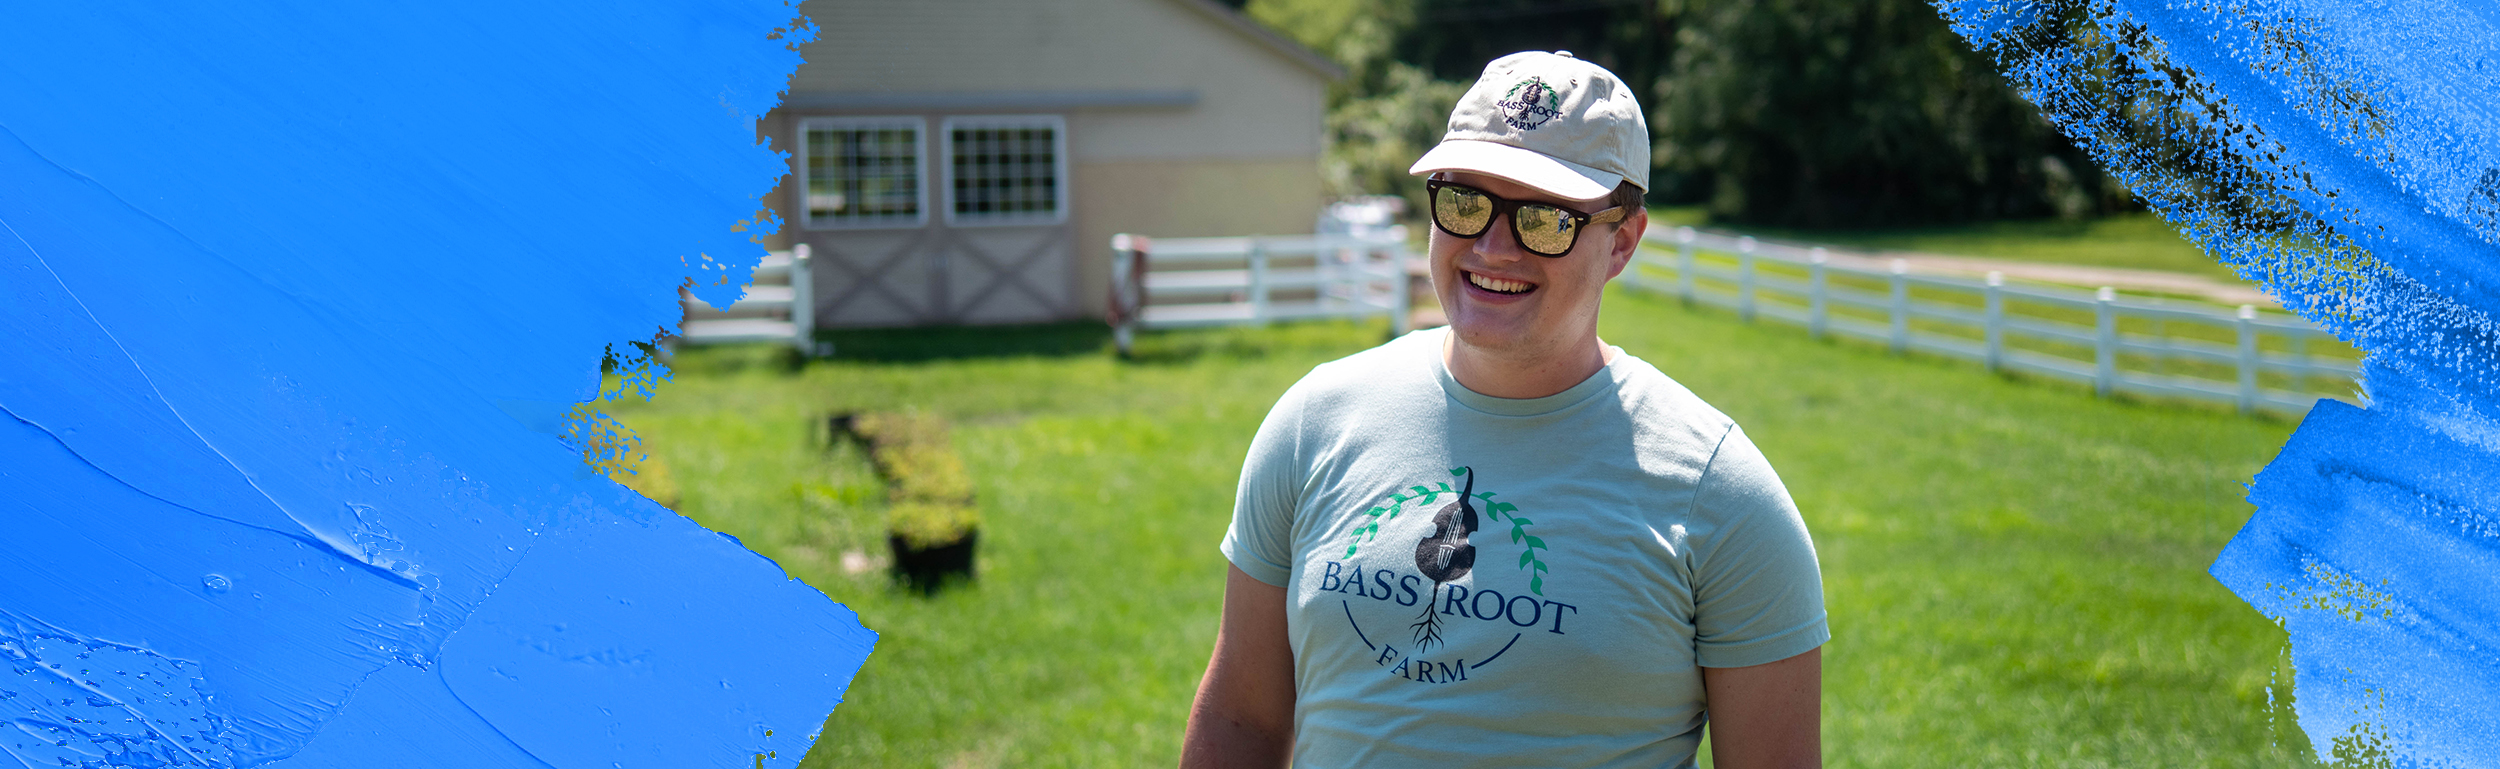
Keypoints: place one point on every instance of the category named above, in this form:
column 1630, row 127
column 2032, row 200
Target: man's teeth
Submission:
column 1497, row 285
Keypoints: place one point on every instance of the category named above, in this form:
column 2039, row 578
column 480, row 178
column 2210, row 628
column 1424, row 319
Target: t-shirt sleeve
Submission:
column 1260, row 540
column 1757, row 591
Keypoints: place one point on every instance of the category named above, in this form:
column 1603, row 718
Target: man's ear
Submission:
column 1626, row 242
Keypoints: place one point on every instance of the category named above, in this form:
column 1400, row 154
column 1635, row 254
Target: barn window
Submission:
column 1006, row 170
column 862, row 172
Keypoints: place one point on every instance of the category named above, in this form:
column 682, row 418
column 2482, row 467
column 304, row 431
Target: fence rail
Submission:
column 2116, row 344
column 778, row 306
column 1180, row 282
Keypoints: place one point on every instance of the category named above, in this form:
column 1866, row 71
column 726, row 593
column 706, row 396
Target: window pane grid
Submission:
column 1005, row 172
column 863, row 174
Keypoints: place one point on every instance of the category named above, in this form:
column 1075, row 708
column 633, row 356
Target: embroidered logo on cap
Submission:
column 1530, row 104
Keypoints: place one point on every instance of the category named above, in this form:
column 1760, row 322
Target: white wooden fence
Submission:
column 2116, row 344
column 1180, row 282
column 779, row 306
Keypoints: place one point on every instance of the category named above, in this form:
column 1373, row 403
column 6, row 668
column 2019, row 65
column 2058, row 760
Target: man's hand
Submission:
column 1244, row 713
column 1767, row 716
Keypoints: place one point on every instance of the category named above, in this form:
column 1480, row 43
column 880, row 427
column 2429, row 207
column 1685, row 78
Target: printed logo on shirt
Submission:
column 1442, row 557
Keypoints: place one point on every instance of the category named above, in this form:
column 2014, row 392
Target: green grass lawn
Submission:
column 2014, row 570
column 2135, row 241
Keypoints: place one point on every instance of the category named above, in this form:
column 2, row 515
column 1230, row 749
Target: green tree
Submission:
column 1824, row 113
column 1385, row 112
column 1812, row 113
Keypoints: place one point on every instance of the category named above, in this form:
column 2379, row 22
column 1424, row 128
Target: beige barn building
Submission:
column 967, row 161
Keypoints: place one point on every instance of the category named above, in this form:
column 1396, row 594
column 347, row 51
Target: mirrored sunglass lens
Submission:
column 1464, row 212
column 1545, row 229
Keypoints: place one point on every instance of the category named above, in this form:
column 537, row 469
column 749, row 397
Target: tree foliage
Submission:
column 1818, row 113
column 1823, row 113
column 1385, row 112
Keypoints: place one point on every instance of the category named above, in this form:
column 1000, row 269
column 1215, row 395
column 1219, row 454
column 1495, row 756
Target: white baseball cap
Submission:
column 1549, row 121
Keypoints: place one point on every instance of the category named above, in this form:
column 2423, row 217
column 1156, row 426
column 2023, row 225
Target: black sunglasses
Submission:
column 1543, row 229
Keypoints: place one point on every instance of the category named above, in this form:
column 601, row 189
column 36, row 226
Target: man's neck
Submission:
column 1547, row 371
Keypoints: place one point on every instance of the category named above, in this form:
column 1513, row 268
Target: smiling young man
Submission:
column 1506, row 543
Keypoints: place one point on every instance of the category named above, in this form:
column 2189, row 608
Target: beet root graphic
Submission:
column 1445, row 556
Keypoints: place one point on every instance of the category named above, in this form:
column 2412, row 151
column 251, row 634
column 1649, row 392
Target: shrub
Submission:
column 930, row 492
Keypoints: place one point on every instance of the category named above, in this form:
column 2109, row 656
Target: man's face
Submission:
column 1501, row 298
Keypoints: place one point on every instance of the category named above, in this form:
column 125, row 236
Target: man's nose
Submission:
column 1499, row 241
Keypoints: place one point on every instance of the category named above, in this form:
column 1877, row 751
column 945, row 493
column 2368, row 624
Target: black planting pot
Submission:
column 926, row 568
column 841, row 427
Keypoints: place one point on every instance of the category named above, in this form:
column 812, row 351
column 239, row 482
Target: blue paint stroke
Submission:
column 283, row 290
column 2345, row 156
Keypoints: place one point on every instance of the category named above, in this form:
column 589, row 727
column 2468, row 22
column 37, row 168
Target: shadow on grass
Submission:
column 934, row 343
column 1174, row 349
column 725, row 359
column 1087, row 338
column 1074, row 339
column 1253, row 343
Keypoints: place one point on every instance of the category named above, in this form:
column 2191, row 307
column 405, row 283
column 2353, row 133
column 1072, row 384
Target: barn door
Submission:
column 865, row 215
column 1007, row 253
column 1000, row 248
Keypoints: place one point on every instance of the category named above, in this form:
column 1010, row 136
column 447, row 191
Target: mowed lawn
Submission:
column 2015, row 571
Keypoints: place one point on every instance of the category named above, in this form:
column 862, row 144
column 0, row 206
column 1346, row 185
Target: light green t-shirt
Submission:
column 1625, row 535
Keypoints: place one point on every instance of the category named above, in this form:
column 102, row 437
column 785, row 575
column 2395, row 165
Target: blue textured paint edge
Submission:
column 2346, row 157
column 271, row 280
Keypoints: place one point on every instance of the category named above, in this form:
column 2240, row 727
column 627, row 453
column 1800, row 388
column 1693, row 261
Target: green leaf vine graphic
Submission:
column 1421, row 495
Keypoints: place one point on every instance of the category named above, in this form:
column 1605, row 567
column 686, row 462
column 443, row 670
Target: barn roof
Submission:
column 1225, row 16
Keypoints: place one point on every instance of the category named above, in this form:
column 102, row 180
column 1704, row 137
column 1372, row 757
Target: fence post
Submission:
column 1996, row 321
column 2105, row 349
column 1258, row 281
column 1328, row 259
column 1402, row 294
column 1126, row 300
column 1817, row 311
column 1900, row 305
column 1684, row 237
column 803, row 303
column 2248, row 358
column 1744, row 277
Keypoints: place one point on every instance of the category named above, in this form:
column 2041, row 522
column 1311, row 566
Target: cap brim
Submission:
column 1535, row 169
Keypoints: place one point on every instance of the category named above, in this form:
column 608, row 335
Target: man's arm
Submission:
column 1767, row 716
column 1244, row 713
